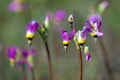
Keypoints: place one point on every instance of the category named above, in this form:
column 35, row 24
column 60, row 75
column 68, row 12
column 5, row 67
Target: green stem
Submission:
column 79, row 54
column 49, row 60
column 32, row 74
column 24, row 72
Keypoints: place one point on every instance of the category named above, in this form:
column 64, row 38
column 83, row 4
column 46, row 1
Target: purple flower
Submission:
column 28, row 57
column 59, row 17
column 95, row 21
column 20, row 56
column 11, row 52
column 93, row 25
column 31, row 29
column 15, row 6
column 67, row 37
column 81, row 36
column 87, row 53
column 88, row 56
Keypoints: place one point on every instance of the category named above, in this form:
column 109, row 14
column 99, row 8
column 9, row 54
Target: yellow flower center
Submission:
column 12, row 62
column 81, row 42
column 65, row 42
column 92, row 34
column 29, row 35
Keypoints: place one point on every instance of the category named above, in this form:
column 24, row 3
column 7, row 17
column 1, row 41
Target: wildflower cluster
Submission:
column 93, row 23
column 19, row 56
column 92, row 26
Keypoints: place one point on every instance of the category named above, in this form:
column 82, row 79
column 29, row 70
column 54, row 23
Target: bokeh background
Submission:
column 65, row 64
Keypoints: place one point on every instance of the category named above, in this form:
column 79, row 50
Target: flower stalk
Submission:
column 32, row 74
column 43, row 32
column 71, row 20
column 81, row 64
column 24, row 72
column 49, row 60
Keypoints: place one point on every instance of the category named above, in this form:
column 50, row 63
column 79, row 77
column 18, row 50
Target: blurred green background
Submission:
column 65, row 64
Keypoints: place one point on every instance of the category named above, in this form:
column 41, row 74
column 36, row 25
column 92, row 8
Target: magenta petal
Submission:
column 60, row 15
column 99, row 33
column 71, row 35
column 12, row 51
column 25, row 53
column 32, row 26
column 84, row 32
column 65, row 35
column 15, row 6
column 88, row 56
column 95, row 18
column 88, row 26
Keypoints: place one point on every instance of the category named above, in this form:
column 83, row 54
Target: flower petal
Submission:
column 99, row 33
column 65, row 35
column 88, row 56
column 11, row 52
column 32, row 26
column 60, row 15
column 71, row 35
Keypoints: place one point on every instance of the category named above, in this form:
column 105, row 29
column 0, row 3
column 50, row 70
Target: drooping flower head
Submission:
column 67, row 37
column 20, row 56
column 93, row 24
column 28, row 57
column 103, row 6
column 12, row 52
column 30, row 30
column 95, row 21
column 81, row 36
column 87, row 53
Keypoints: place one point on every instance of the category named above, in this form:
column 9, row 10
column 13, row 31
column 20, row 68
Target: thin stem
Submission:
column 105, row 59
column 79, row 54
column 24, row 72
column 74, row 26
column 49, row 60
column 32, row 74
column 48, row 54
column 80, row 62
